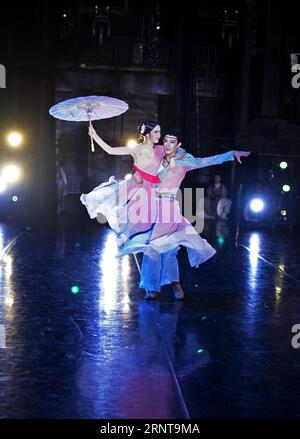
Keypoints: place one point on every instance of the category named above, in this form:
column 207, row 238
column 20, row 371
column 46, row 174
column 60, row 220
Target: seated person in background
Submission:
column 215, row 192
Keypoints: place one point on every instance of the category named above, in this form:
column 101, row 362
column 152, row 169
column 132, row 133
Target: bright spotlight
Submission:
column 9, row 301
column 128, row 176
column 131, row 143
column 283, row 212
column 11, row 173
column 14, row 139
column 2, row 185
column 283, row 165
column 257, row 205
column 286, row 188
column 14, row 198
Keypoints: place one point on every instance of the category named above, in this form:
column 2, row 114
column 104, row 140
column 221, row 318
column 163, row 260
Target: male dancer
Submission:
column 163, row 269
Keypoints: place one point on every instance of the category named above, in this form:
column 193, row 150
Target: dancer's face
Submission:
column 155, row 134
column 171, row 144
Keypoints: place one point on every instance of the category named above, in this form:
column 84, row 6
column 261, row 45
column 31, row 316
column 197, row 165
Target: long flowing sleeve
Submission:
column 189, row 162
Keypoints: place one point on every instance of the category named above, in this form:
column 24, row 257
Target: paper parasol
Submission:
column 88, row 108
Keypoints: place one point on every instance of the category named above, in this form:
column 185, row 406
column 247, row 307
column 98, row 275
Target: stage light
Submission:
column 2, row 185
column 283, row 165
column 283, row 212
column 221, row 240
column 257, row 205
column 131, row 143
column 128, row 176
column 14, row 198
column 9, row 301
column 14, row 139
column 286, row 188
column 75, row 289
column 11, row 173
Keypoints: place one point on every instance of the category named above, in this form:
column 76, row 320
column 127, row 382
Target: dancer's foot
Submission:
column 150, row 295
column 178, row 291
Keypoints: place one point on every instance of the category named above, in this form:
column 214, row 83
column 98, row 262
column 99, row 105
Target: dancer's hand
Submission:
column 92, row 132
column 239, row 154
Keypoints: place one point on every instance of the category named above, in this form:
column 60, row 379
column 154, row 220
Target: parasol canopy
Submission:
column 88, row 108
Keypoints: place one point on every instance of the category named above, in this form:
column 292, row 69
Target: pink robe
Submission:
column 163, row 235
column 115, row 199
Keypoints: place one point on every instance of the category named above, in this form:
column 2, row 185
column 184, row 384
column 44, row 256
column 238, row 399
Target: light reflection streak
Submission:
column 114, row 277
column 109, row 268
column 253, row 256
column 279, row 282
column 6, row 289
column 125, row 286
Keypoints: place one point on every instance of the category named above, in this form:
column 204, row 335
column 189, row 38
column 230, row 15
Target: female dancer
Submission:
column 161, row 241
column 115, row 199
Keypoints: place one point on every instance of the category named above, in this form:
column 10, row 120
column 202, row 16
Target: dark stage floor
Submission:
column 103, row 352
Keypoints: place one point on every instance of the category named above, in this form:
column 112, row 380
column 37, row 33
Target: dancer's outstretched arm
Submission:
column 190, row 162
column 119, row 150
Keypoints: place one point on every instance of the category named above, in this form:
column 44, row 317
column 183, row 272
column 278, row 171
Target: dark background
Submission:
column 218, row 70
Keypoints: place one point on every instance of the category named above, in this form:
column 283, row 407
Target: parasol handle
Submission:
column 92, row 140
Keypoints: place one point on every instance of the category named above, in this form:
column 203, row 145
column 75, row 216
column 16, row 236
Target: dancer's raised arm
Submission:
column 119, row 150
